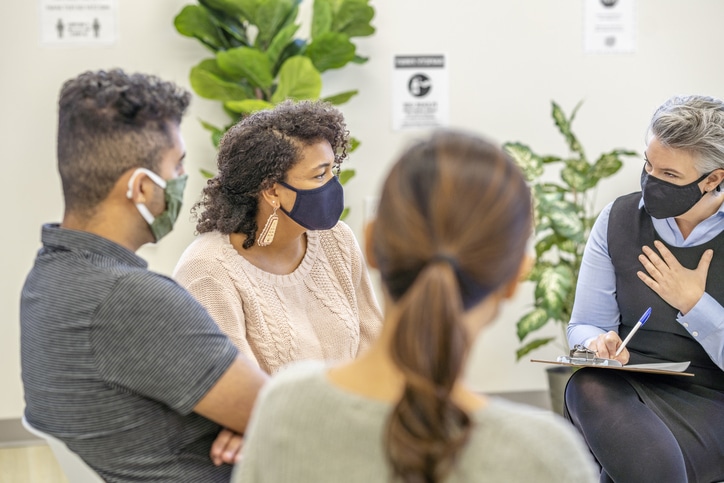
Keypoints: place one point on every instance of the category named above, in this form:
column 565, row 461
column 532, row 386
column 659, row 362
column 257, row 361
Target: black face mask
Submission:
column 318, row 208
column 667, row 200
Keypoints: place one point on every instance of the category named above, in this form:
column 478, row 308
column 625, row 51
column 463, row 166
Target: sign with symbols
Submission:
column 75, row 22
column 609, row 26
column 420, row 92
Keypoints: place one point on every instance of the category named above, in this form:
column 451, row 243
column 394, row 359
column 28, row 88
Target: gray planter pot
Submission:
column 557, row 379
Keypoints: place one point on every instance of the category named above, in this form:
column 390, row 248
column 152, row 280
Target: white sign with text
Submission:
column 78, row 22
column 420, row 97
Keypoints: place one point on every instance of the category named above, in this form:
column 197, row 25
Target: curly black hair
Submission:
column 108, row 123
column 257, row 152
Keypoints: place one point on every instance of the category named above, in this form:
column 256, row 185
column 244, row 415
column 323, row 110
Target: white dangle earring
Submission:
column 270, row 228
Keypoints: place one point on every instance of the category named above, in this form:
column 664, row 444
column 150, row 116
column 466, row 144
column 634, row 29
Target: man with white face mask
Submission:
column 121, row 363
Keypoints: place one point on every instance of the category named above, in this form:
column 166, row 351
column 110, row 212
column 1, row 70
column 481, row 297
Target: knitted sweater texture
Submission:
column 325, row 309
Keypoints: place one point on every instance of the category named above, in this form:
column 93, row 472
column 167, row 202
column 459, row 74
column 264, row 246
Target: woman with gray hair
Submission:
column 662, row 248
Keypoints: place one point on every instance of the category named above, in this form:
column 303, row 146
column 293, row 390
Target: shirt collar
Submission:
column 54, row 236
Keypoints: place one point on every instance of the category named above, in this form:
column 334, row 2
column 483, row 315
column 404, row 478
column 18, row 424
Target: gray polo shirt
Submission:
column 114, row 359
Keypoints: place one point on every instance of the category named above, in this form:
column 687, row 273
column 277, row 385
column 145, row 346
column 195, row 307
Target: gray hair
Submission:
column 694, row 124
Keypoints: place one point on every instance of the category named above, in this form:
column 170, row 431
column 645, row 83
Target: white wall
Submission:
column 507, row 60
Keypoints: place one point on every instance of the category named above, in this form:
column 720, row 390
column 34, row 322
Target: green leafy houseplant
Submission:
column 258, row 62
column 564, row 215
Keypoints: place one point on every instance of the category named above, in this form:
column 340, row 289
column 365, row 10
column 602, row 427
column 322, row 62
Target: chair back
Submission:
column 75, row 469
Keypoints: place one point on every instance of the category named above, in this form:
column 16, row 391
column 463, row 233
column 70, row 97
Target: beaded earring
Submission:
column 267, row 234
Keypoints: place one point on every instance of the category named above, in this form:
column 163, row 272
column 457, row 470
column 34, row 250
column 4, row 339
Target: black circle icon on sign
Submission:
column 419, row 85
column 608, row 3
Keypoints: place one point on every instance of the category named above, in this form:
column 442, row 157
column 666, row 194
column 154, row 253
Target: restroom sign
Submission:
column 78, row 22
column 420, row 92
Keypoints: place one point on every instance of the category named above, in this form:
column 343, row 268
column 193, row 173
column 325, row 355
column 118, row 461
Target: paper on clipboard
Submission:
column 671, row 368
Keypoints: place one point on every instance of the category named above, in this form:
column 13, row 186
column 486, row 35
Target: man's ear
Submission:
column 369, row 254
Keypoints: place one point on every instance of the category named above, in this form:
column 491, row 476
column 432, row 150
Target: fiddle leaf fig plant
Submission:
column 563, row 215
column 257, row 61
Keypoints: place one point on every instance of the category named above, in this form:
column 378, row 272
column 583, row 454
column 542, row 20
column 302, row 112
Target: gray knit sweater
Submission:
column 306, row 430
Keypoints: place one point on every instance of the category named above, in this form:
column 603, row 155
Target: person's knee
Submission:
column 593, row 391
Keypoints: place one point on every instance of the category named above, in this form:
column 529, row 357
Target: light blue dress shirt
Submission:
column 595, row 310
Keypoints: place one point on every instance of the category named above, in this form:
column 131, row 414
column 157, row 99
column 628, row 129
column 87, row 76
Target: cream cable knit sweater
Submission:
column 325, row 309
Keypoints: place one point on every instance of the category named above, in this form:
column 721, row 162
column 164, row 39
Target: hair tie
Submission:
column 445, row 257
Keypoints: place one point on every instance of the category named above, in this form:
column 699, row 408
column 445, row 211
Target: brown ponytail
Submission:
column 452, row 224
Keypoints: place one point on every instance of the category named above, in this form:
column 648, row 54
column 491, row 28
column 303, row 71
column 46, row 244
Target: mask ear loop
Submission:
column 142, row 208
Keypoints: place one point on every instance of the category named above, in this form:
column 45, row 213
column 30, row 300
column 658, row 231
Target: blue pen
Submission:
column 641, row 322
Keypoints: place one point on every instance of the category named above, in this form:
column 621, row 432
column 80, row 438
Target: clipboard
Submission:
column 635, row 368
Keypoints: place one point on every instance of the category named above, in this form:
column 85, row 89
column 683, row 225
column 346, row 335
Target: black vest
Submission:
column 662, row 338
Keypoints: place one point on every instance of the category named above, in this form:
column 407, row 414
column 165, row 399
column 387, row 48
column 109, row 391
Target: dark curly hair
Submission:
column 108, row 123
column 257, row 152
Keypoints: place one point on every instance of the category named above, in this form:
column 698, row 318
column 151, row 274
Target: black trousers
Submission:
column 648, row 428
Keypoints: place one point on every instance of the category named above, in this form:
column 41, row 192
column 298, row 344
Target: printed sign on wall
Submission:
column 419, row 92
column 609, row 26
column 89, row 22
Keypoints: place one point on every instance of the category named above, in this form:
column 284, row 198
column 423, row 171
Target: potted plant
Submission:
column 564, row 212
column 258, row 62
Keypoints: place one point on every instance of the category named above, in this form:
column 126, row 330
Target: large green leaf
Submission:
column 579, row 175
column 247, row 106
column 271, row 17
column 330, row 51
column 554, row 288
column 321, row 17
column 210, row 82
column 247, row 63
column 280, row 41
column 341, row 98
column 353, row 18
column 234, row 8
column 609, row 163
column 532, row 345
column 565, row 219
column 195, row 21
column 298, row 79
column 530, row 322
column 529, row 162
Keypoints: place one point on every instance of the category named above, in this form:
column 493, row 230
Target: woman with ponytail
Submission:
column 449, row 243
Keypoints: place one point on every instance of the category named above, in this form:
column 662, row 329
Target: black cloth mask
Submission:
column 318, row 208
column 667, row 200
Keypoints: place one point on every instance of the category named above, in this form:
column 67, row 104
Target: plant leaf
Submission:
column 330, row 51
column 271, row 17
column 532, row 345
column 195, row 21
column 353, row 144
column 280, row 41
column 530, row 322
column 578, row 174
column 609, row 163
column 353, row 18
column 298, row 79
column 248, row 106
column 346, row 175
column 341, row 98
column 529, row 162
column 210, row 82
column 206, row 173
column 554, row 288
column 216, row 133
column 565, row 219
column 247, row 63
column 231, row 7
column 321, row 18
column 564, row 126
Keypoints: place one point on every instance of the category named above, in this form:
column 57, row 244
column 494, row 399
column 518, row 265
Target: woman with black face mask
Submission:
column 662, row 248
column 274, row 266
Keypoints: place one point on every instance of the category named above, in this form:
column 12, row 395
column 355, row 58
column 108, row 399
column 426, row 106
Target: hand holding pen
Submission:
column 636, row 327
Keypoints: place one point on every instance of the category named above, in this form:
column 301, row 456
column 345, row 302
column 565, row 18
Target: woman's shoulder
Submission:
column 551, row 445
column 203, row 254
